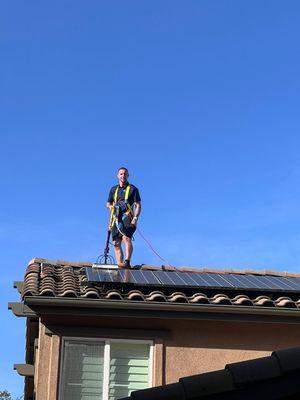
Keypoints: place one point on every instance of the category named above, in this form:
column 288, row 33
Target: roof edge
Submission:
column 38, row 260
column 178, row 310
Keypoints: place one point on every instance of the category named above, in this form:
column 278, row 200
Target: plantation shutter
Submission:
column 82, row 371
column 128, row 369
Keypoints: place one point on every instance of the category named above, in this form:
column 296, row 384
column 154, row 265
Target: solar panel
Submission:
column 294, row 282
column 236, row 281
column 258, row 282
column 179, row 279
column 134, row 277
column 165, row 278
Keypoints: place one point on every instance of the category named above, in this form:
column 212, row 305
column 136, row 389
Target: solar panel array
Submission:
column 193, row 280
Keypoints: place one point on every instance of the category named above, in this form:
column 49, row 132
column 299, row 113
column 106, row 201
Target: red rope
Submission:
column 152, row 248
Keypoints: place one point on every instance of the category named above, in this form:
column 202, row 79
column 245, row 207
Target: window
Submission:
column 104, row 369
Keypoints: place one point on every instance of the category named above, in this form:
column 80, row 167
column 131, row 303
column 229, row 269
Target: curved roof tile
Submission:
column 113, row 295
column 199, row 298
column 263, row 301
column 220, row 299
column 178, row 297
column 284, row 302
column 156, row 296
column 242, row 300
column 136, row 295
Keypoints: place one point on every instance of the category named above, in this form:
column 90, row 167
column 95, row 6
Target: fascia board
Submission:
column 50, row 305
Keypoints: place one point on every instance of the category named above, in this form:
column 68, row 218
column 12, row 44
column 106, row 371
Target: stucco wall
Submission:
column 203, row 346
column 193, row 346
column 47, row 366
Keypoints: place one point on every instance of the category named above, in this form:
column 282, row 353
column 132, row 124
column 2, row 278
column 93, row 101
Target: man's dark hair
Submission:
column 125, row 169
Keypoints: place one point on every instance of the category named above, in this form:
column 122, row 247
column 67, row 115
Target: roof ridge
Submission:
column 38, row 260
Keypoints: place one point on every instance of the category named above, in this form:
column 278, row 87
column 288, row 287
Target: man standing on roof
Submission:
column 124, row 202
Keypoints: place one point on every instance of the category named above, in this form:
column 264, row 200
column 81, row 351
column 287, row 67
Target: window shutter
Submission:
column 129, row 368
column 82, row 371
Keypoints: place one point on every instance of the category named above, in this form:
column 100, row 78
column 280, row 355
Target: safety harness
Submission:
column 120, row 209
column 128, row 208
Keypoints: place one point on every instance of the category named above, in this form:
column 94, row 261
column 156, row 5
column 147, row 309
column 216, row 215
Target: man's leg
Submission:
column 118, row 250
column 128, row 248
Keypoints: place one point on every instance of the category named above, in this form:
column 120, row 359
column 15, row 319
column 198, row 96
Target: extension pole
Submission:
column 106, row 250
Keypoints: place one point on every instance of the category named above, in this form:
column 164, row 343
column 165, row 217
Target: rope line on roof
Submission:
column 152, row 248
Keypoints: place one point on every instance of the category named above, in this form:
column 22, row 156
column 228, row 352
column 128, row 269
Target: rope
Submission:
column 115, row 221
column 152, row 248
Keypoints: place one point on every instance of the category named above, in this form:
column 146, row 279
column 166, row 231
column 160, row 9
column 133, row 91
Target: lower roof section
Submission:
column 273, row 377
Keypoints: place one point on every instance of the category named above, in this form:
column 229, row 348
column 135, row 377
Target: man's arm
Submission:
column 137, row 212
column 110, row 199
column 109, row 205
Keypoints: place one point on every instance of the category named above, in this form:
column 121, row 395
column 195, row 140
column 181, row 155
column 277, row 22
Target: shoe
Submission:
column 125, row 264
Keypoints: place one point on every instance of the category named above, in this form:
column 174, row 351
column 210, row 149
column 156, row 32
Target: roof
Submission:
column 64, row 279
column 273, row 377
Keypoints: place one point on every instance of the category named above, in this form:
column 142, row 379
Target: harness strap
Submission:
column 126, row 193
column 127, row 190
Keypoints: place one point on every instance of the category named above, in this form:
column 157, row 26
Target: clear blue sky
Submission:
column 199, row 99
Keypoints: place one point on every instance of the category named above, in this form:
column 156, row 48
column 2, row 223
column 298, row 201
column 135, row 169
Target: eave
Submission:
column 122, row 308
column 24, row 369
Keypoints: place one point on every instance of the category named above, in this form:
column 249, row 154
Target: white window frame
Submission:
column 106, row 366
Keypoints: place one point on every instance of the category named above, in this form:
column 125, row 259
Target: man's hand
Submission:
column 110, row 206
column 134, row 221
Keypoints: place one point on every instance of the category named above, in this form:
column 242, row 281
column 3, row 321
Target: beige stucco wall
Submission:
column 193, row 346
column 203, row 346
column 47, row 366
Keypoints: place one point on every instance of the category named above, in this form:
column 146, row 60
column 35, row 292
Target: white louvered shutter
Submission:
column 82, row 371
column 129, row 368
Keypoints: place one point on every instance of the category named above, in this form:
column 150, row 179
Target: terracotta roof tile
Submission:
column 263, row 301
column 284, row 302
column 297, row 303
column 89, row 292
column 135, row 295
column 220, row 299
column 241, row 299
column 177, row 297
column 113, row 295
column 156, row 296
column 199, row 298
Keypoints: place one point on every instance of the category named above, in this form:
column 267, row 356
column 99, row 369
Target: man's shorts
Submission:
column 126, row 227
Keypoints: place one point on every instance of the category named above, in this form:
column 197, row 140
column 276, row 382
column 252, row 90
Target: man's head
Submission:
column 122, row 176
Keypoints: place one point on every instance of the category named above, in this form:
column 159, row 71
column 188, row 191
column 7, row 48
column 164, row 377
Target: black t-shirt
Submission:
column 134, row 195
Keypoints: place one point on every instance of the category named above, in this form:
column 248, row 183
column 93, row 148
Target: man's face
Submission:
column 123, row 176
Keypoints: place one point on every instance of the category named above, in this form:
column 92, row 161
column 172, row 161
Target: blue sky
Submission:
column 199, row 99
